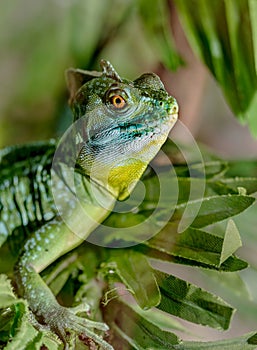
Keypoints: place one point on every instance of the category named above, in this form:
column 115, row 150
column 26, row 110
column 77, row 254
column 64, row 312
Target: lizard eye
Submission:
column 117, row 98
column 118, row 101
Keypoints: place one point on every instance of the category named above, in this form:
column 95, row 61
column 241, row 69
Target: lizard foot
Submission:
column 62, row 320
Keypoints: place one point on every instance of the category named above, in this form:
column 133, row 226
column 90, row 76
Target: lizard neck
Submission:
column 117, row 170
column 82, row 204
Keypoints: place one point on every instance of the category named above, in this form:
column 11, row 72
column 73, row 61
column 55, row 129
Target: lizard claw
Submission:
column 63, row 320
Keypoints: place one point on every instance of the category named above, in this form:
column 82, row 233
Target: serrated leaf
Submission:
column 197, row 245
column 24, row 332
column 191, row 303
column 28, row 338
column 231, row 264
column 193, row 244
column 7, row 296
column 252, row 339
column 135, row 272
column 167, row 191
column 36, row 343
column 207, row 211
column 249, row 183
column 241, row 343
column 137, row 330
column 42, row 340
column 190, row 189
column 196, row 206
column 193, row 247
column 161, row 319
column 231, row 242
column 232, row 185
column 57, row 274
column 13, row 310
column 243, row 168
column 184, row 189
column 229, row 283
column 23, row 337
column 206, row 170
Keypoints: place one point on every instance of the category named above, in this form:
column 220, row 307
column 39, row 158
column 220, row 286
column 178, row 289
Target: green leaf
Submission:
column 223, row 35
column 161, row 189
column 58, row 273
column 201, row 246
column 196, row 247
column 160, row 319
column 13, row 310
column 207, row 170
column 231, row 264
column 184, row 189
column 193, row 244
column 243, row 168
column 232, row 241
column 200, row 213
column 232, row 185
column 165, row 191
column 230, row 285
column 245, row 342
column 252, row 339
column 135, row 272
column 136, row 329
column 191, row 303
column 15, row 325
column 7, row 296
column 156, row 21
column 25, row 335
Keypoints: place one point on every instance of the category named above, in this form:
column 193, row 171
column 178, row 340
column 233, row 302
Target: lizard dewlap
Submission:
column 119, row 126
column 126, row 123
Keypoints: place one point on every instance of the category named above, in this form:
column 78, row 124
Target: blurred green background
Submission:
column 40, row 39
column 205, row 51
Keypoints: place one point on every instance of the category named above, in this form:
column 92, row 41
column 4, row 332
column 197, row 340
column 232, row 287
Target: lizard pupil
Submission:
column 118, row 101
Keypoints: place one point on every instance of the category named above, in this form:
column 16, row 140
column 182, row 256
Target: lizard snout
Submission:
column 173, row 107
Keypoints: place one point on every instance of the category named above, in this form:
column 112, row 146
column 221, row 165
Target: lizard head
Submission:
column 124, row 124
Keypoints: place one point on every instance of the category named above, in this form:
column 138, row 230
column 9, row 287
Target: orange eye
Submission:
column 117, row 101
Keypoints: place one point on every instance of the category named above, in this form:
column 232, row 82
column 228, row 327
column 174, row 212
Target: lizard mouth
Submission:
column 145, row 126
column 152, row 124
column 155, row 123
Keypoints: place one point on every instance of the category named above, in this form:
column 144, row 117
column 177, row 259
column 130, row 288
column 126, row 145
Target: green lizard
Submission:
column 119, row 126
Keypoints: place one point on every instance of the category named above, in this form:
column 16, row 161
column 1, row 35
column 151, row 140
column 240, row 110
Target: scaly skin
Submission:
column 119, row 126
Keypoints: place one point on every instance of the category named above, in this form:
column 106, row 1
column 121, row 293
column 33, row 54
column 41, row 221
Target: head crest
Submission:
column 109, row 71
column 78, row 77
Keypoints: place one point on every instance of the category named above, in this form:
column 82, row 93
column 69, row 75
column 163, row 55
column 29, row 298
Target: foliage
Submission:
column 80, row 33
column 103, row 278
column 223, row 34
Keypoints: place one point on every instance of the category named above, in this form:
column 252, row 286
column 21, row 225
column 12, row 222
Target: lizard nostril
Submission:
column 175, row 109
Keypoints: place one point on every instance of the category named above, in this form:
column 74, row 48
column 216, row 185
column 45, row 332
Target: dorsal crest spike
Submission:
column 109, row 71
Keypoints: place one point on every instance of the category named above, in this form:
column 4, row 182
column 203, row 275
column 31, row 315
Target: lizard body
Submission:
column 25, row 201
column 118, row 127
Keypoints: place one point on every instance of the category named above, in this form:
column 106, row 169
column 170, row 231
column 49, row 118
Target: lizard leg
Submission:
column 41, row 300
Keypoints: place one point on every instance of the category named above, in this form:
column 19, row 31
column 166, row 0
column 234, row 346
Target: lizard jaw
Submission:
column 141, row 127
